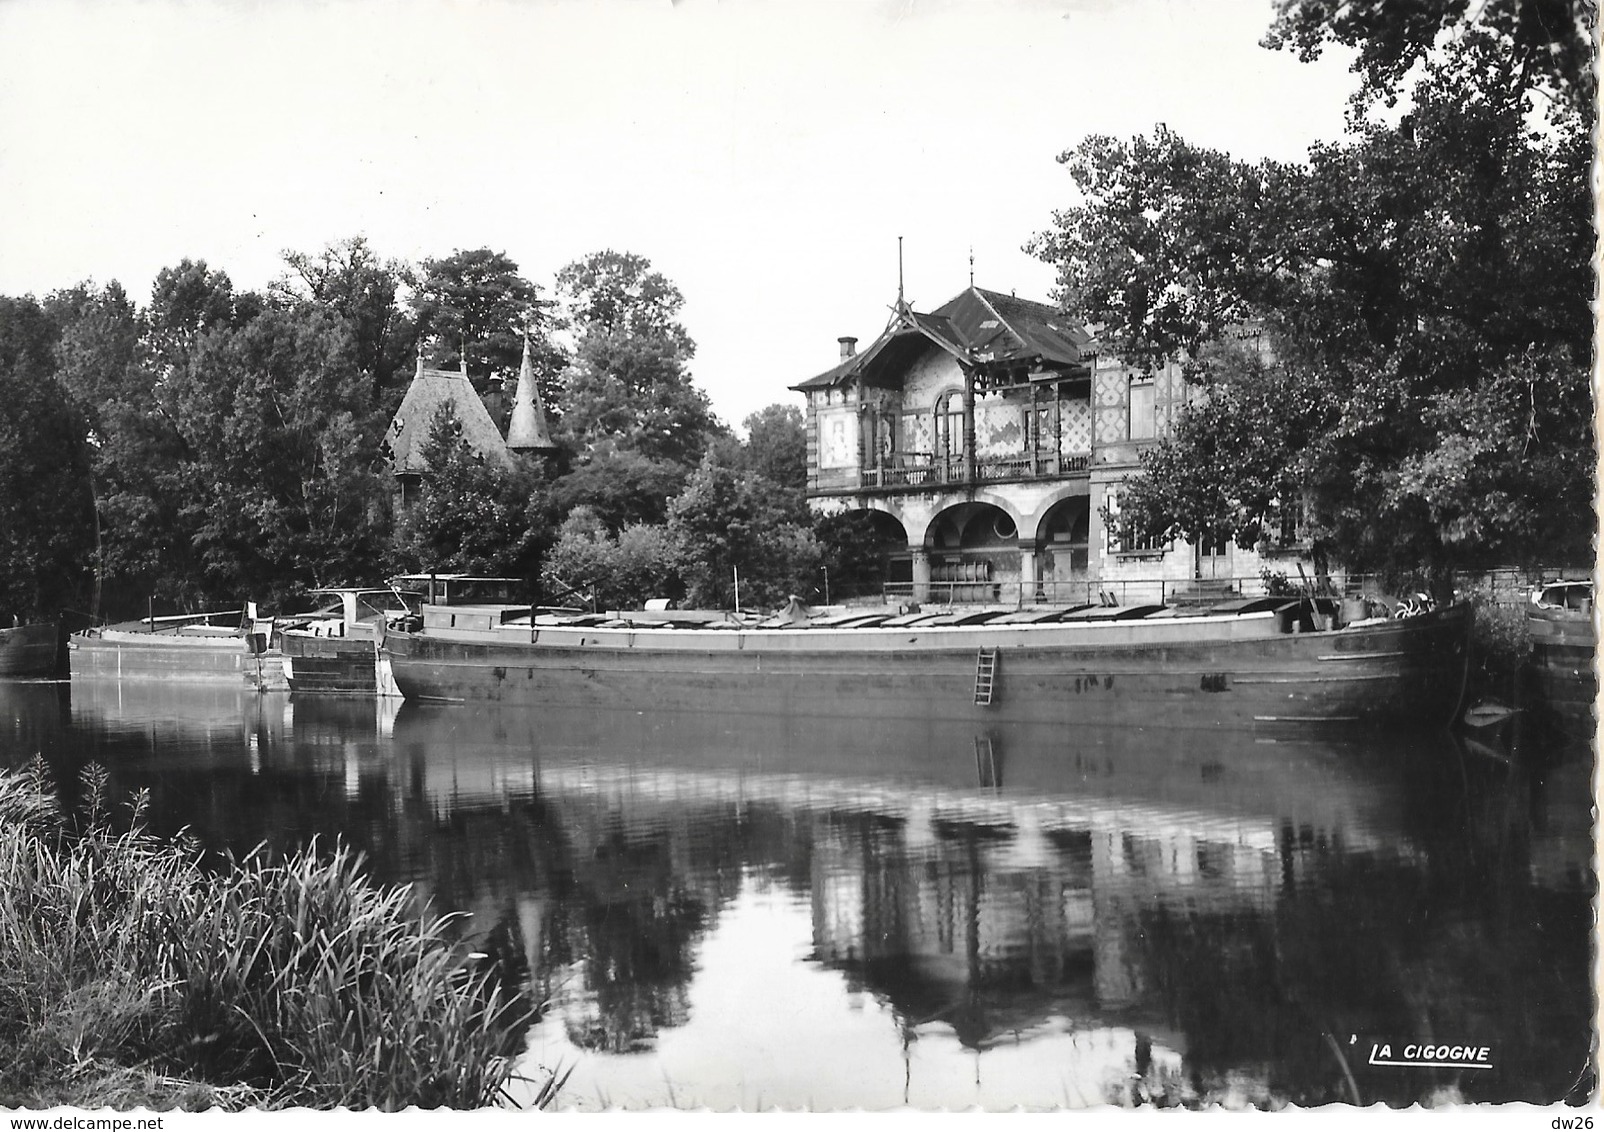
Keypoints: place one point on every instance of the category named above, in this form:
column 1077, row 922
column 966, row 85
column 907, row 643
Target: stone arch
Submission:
column 1032, row 526
column 974, row 551
column 873, row 553
column 1063, row 542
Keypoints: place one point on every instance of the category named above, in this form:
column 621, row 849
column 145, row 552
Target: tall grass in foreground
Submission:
column 132, row 975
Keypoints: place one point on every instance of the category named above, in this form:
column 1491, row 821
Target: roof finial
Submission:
column 901, row 302
column 971, row 265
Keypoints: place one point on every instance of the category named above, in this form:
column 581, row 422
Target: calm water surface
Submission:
column 743, row 911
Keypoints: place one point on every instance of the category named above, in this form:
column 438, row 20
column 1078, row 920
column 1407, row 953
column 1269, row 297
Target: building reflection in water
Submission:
column 1170, row 914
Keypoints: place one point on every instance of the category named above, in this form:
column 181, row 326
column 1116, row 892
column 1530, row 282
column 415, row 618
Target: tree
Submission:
column 605, row 571
column 620, row 486
column 187, row 301
column 348, row 279
column 777, row 446
column 729, row 520
column 46, row 510
column 278, row 485
column 1550, row 42
column 629, row 383
column 477, row 301
column 849, row 545
column 474, row 517
column 1409, row 279
column 619, row 293
column 104, row 369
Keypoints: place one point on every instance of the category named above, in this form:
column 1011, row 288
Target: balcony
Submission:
column 928, row 469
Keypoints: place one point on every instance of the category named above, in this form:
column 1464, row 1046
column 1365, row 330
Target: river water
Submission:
column 752, row 911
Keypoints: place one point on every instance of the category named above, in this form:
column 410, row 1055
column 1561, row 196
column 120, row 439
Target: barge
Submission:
column 1241, row 664
column 186, row 648
column 30, row 650
column 1564, row 641
column 335, row 650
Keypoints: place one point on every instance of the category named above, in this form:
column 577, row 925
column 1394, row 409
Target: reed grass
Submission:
column 132, row 974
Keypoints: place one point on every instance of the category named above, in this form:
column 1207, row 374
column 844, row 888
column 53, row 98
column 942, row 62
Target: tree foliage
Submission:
column 46, row 510
column 629, row 383
column 592, row 566
column 1550, row 42
column 1424, row 287
column 216, row 444
column 279, row 472
column 474, row 517
column 620, row 486
column 477, row 301
column 777, row 446
column 348, row 279
column 728, row 520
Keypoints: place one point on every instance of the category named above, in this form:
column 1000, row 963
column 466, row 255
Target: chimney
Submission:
column 849, row 346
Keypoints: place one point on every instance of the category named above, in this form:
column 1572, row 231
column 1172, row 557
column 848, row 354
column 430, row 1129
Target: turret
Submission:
column 527, row 431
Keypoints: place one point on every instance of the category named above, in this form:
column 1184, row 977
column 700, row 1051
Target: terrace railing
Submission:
column 929, row 469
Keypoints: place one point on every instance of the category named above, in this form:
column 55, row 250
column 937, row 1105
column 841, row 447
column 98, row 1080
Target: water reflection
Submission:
column 753, row 910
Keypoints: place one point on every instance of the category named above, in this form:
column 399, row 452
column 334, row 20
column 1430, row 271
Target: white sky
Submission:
column 764, row 154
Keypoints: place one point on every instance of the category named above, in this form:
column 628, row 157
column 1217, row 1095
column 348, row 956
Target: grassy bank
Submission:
column 133, row 975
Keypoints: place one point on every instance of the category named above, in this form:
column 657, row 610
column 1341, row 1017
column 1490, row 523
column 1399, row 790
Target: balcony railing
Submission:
column 927, row 469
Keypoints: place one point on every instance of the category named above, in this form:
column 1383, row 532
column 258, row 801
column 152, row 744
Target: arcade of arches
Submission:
column 975, row 551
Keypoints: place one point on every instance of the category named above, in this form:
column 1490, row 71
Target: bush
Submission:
column 132, row 975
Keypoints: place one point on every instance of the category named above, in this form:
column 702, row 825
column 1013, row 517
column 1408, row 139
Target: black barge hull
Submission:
column 1207, row 672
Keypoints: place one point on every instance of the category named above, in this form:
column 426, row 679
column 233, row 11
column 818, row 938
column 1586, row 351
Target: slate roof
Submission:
column 432, row 389
column 1023, row 328
column 976, row 327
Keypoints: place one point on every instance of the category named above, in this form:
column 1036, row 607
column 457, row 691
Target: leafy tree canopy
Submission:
column 46, row 511
column 477, row 301
column 728, row 519
column 599, row 570
column 1411, row 282
column 618, row 292
column 620, row 486
column 1551, row 42
column 349, row 279
column 777, row 446
column 629, row 383
column 279, row 477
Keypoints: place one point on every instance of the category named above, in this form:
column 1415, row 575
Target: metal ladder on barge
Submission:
column 985, row 676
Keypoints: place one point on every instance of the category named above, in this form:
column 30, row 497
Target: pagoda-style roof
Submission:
column 980, row 328
column 430, row 391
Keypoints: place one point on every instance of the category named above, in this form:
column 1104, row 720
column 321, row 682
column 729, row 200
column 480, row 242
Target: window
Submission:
column 1121, row 536
column 1289, row 524
column 1143, row 406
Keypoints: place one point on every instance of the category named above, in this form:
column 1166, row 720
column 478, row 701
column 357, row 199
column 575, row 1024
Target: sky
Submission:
column 764, row 154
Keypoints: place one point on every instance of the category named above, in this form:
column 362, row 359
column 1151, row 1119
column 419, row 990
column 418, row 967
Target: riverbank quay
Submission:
column 135, row 975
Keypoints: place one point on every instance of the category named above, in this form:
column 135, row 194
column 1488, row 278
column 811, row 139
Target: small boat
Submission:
column 30, row 650
column 1126, row 667
column 1489, row 713
column 231, row 646
column 1559, row 620
column 335, row 648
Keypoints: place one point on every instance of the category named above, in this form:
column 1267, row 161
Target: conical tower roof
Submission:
column 527, row 430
